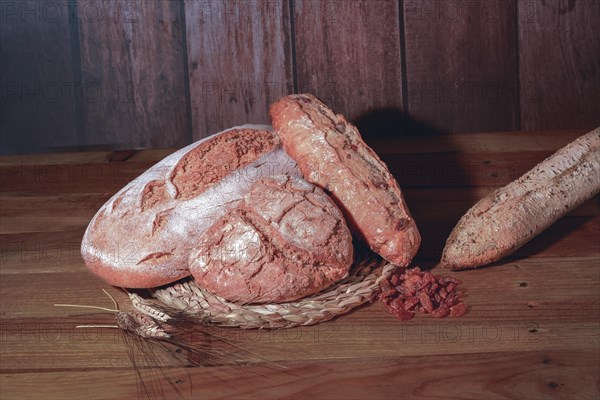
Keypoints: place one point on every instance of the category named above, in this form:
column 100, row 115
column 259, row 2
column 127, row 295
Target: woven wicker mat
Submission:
column 187, row 298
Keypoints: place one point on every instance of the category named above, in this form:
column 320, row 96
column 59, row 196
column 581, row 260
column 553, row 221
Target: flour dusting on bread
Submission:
column 285, row 240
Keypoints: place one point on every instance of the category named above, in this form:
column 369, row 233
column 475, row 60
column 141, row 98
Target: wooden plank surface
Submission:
column 551, row 374
column 348, row 54
column 41, row 88
column 532, row 329
column 132, row 56
column 559, row 43
column 240, row 61
column 461, row 64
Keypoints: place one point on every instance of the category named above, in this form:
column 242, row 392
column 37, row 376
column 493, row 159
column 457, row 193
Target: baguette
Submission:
column 143, row 235
column 511, row 216
column 331, row 154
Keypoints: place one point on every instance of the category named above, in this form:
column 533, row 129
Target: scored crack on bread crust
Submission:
column 285, row 240
column 142, row 236
column 331, row 153
column 204, row 166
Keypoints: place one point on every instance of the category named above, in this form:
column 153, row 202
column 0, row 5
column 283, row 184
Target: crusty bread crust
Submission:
column 284, row 241
column 143, row 235
column 331, row 153
column 513, row 215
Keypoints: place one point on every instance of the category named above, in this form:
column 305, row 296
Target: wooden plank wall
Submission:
column 559, row 60
column 461, row 64
column 40, row 82
column 348, row 54
column 132, row 63
column 239, row 59
column 117, row 74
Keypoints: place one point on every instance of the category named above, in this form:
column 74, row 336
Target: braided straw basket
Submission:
column 192, row 301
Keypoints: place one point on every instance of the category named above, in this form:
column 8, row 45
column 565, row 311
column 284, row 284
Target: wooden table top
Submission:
column 532, row 330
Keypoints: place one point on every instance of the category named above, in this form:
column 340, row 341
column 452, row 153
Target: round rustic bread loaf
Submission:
column 143, row 235
column 285, row 240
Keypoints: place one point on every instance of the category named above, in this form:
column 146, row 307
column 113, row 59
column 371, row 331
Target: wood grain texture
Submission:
column 461, row 64
column 42, row 177
column 132, row 65
column 504, row 376
column 40, row 89
column 348, row 54
column 240, row 60
column 559, row 43
column 532, row 329
column 138, row 74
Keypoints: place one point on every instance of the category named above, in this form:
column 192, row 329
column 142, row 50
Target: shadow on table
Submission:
column 393, row 123
column 435, row 201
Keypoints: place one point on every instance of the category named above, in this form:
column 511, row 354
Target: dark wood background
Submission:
column 116, row 74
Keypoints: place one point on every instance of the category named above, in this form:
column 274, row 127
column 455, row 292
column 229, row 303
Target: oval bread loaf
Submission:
column 143, row 235
column 331, row 154
column 511, row 216
column 285, row 240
